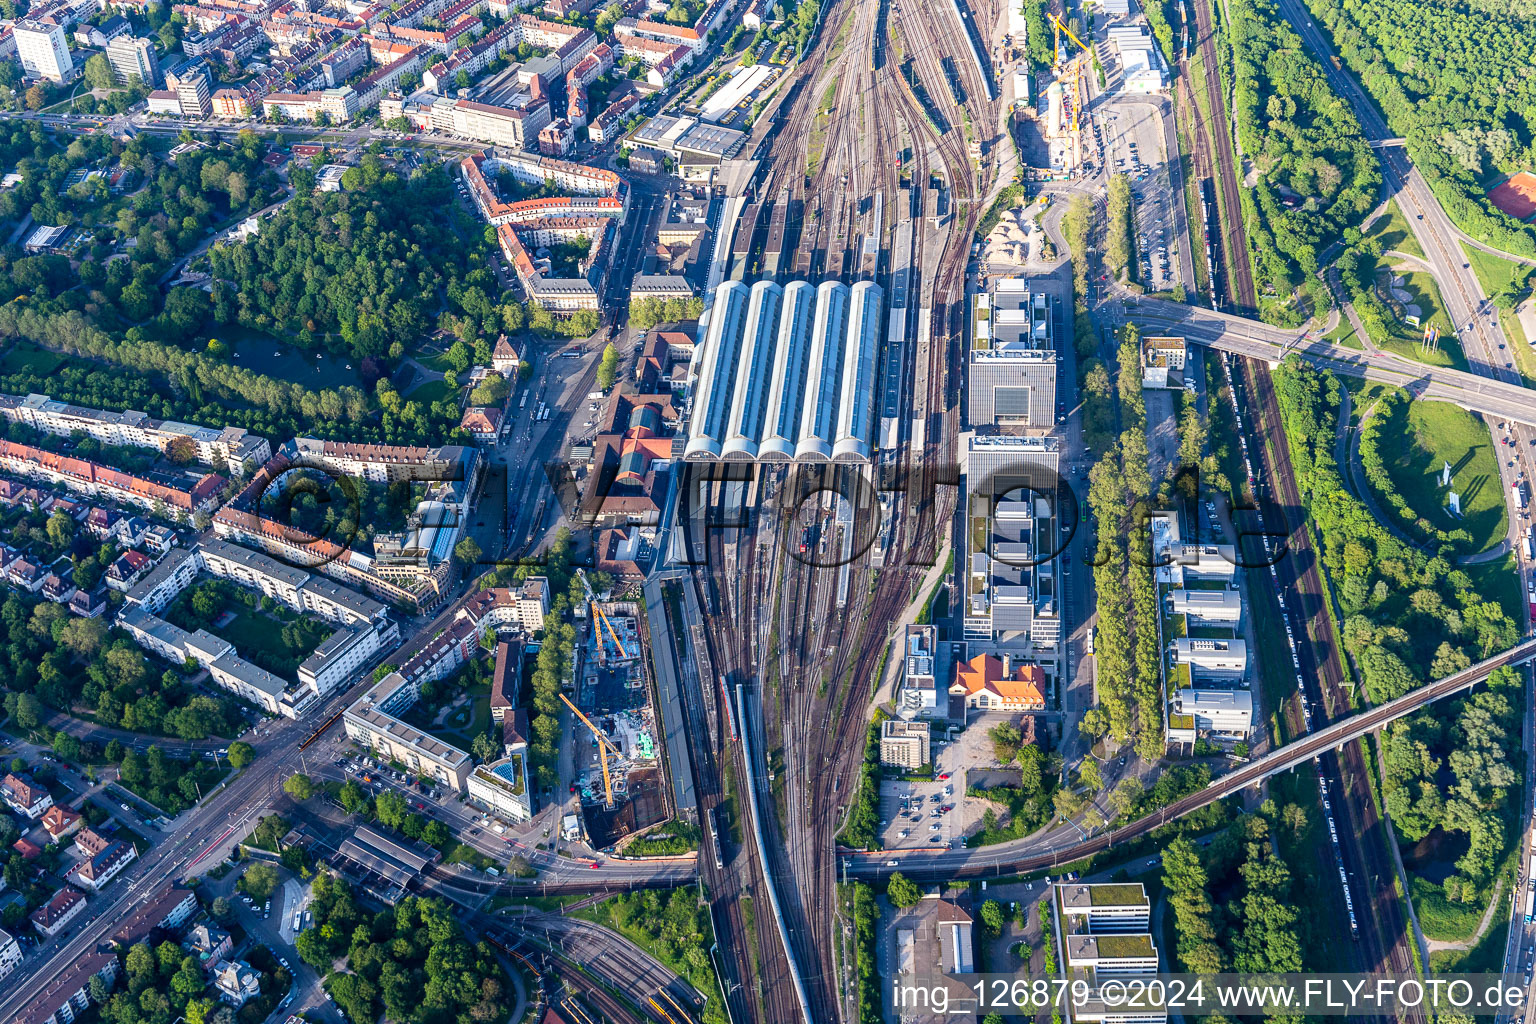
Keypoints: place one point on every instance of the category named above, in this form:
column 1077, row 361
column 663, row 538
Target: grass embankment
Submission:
column 1424, row 436
column 1392, row 230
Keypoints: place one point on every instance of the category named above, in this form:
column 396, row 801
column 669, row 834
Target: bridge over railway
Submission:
column 1244, row 337
column 1016, row 857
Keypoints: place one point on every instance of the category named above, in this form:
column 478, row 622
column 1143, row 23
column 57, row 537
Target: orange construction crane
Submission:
column 599, row 617
column 603, row 746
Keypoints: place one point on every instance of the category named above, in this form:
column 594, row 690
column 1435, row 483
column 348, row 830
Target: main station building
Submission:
column 787, row 373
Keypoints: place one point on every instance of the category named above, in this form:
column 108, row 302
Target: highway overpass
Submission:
column 1015, row 857
column 1256, row 340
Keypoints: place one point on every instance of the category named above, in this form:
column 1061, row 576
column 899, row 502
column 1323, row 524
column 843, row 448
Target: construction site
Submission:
column 616, row 767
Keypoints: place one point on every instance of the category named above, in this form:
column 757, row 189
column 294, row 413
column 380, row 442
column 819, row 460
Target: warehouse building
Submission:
column 781, row 377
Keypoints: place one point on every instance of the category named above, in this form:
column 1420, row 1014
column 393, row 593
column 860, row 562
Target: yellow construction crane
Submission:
column 1061, row 27
column 603, row 746
column 1076, row 64
column 598, row 616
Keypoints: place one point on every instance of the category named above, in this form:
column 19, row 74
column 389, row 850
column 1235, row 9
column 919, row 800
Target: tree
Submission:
column 485, row 747
column 60, row 528
column 1006, row 739
column 220, row 909
column 1089, row 775
column 182, row 451
column 608, row 368
column 98, row 72
column 352, row 797
column 259, row 881
column 902, row 891
column 466, row 552
column 299, row 786
column 992, row 917
column 241, row 754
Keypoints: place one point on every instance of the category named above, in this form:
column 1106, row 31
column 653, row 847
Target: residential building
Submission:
column 42, row 49
column 373, row 721
column 483, row 423
column 54, row 916
column 996, row 684
column 904, row 744
column 132, row 57
column 104, row 859
column 344, row 653
column 506, row 677
column 236, row 981
column 61, row 822
column 168, row 911
column 10, row 953
column 92, row 478
column 444, row 653
column 209, row 943
column 158, row 587
column 25, row 797
column 69, row 994
column 522, row 607
column 193, row 93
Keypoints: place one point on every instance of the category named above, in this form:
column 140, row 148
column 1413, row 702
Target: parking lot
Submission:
column 970, row 751
column 919, row 814
column 1132, row 135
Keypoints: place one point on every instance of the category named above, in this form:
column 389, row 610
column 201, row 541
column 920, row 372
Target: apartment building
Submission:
column 227, row 669
column 159, row 587
column 10, row 953
column 103, row 859
column 55, row 915
column 69, row 994
column 523, row 607
column 88, row 477
column 372, row 720
column 231, row 445
column 25, row 796
column 42, row 49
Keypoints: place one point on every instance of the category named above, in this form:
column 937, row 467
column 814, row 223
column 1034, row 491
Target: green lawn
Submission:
column 1426, row 435
column 25, row 357
column 1405, row 340
column 1392, row 231
column 1493, row 272
column 462, row 724
column 1344, row 334
column 432, row 391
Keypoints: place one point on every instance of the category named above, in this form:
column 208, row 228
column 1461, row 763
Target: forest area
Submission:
column 1316, row 175
column 1410, row 616
column 1454, row 80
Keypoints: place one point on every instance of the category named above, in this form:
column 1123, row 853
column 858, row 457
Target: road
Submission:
column 1500, row 399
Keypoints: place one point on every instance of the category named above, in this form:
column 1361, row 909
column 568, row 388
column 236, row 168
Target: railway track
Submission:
column 1385, row 938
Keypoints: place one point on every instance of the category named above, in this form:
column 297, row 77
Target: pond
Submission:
column 272, row 357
